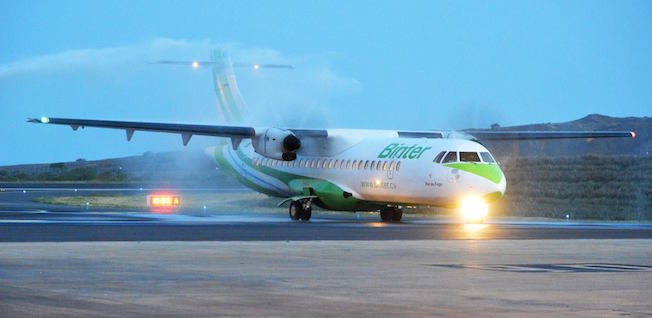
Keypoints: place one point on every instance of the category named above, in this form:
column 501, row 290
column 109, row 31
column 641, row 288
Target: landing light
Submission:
column 633, row 133
column 45, row 120
column 195, row 64
column 473, row 209
column 256, row 66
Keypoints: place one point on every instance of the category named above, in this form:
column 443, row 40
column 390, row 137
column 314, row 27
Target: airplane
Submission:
column 385, row 171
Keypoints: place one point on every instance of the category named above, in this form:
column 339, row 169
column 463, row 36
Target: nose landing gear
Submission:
column 391, row 214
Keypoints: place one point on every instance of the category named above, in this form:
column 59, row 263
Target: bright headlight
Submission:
column 473, row 209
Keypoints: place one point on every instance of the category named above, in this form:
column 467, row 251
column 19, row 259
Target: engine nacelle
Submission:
column 277, row 144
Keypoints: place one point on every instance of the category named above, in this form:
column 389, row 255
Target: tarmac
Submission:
column 79, row 262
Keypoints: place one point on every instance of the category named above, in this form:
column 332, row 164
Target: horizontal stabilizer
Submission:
column 197, row 64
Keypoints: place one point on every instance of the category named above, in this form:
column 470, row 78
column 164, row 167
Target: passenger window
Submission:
column 336, row 162
column 385, row 165
column 391, row 166
column 486, row 157
column 355, row 164
column 450, row 157
column 348, row 163
column 469, row 157
column 360, row 165
column 318, row 163
column 371, row 166
column 398, row 166
column 312, row 163
column 366, row 165
column 439, row 156
column 330, row 164
column 323, row 166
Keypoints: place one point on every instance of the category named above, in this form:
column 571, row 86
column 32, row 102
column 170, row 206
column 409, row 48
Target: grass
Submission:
column 224, row 202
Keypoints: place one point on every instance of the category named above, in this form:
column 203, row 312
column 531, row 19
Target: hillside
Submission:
column 182, row 168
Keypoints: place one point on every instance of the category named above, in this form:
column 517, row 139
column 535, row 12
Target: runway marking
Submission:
column 552, row 268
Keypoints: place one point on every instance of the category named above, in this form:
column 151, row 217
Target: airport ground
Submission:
column 87, row 261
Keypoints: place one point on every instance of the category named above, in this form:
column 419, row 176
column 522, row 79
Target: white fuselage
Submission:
column 376, row 167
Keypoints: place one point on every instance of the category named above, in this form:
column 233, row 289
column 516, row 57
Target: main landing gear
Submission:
column 391, row 214
column 301, row 209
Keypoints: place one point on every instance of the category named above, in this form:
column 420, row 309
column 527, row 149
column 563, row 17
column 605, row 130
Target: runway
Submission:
column 86, row 261
column 22, row 220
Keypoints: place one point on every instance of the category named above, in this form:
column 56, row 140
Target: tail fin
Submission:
column 230, row 104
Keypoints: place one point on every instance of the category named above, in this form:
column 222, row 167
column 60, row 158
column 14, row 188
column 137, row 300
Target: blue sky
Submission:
column 366, row 64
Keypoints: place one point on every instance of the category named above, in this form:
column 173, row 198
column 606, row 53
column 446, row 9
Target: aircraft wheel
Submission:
column 386, row 215
column 397, row 215
column 307, row 213
column 296, row 210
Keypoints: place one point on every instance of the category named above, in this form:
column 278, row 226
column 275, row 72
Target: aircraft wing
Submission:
column 185, row 130
column 236, row 133
column 529, row 135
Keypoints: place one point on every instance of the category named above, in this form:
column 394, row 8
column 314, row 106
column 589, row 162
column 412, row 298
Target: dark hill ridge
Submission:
column 639, row 146
column 165, row 169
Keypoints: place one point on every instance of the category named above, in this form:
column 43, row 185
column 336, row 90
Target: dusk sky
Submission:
column 366, row 64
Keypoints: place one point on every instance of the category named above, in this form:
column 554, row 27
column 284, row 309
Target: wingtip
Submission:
column 633, row 133
column 42, row 120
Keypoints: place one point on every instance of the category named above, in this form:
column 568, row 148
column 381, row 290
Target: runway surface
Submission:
column 22, row 220
column 87, row 261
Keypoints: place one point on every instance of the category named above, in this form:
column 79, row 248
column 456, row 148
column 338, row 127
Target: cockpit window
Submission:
column 486, row 157
column 439, row 156
column 469, row 157
column 450, row 157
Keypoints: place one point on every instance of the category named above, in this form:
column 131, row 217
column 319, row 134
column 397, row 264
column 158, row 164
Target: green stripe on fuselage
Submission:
column 490, row 171
column 330, row 195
